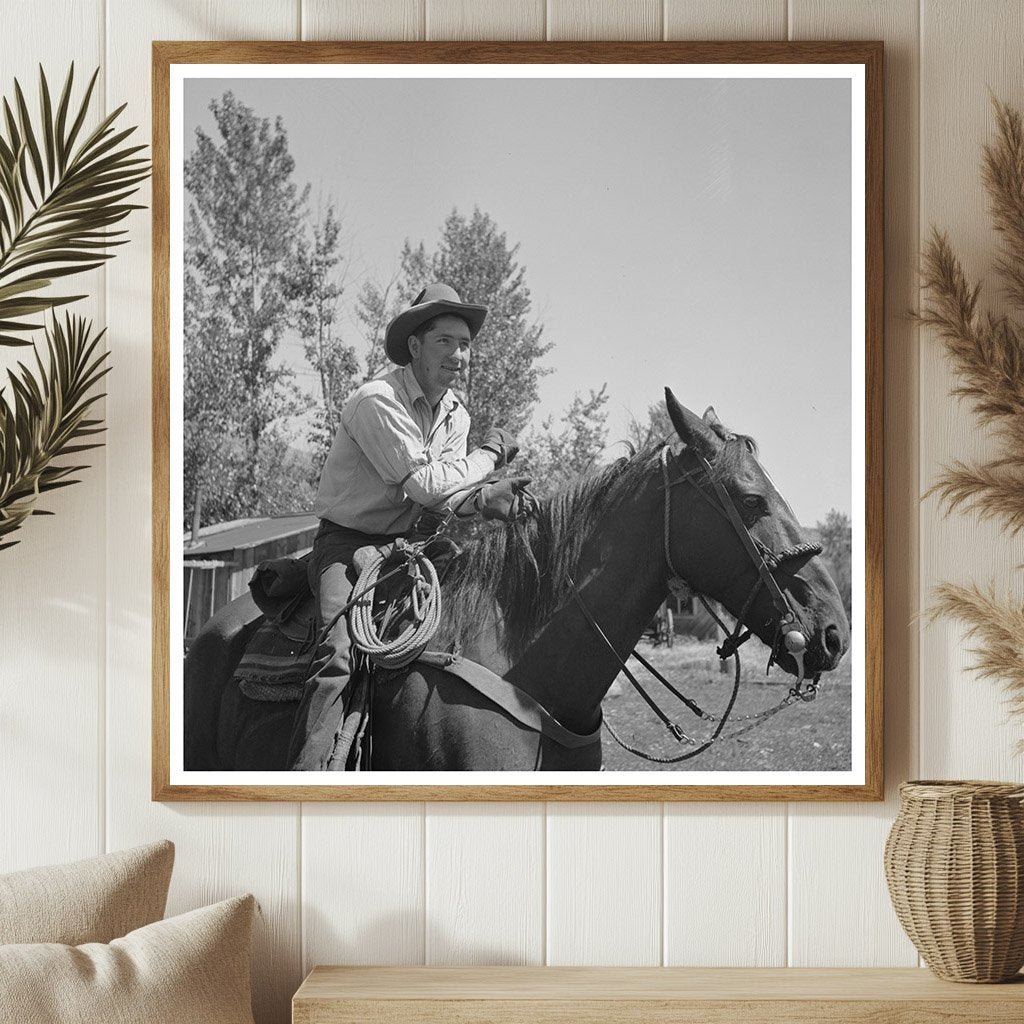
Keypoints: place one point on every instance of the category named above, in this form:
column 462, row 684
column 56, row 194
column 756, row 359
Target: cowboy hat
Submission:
column 435, row 300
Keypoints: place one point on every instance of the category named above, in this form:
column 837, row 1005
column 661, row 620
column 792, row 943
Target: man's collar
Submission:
column 449, row 400
column 411, row 384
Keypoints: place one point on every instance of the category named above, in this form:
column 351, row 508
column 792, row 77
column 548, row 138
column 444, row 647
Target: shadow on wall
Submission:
column 396, row 940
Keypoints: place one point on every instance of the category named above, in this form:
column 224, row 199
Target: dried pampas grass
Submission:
column 992, row 490
column 987, row 354
column 997, row 631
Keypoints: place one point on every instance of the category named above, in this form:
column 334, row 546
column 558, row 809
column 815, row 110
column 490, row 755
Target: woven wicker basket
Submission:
column 954, row 861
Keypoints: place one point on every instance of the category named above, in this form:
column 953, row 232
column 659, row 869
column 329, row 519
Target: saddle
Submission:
column 278, row 659
column 279, row 656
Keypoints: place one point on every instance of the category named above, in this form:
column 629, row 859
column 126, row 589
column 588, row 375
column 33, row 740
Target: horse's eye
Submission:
column 754, row 502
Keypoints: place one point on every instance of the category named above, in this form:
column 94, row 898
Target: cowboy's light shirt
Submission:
column 393, row 455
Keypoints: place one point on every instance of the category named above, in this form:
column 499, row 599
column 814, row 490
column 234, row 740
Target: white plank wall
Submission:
column 962, row 727
column 363, row 19
column 363, row 895
column 485, row 19
column 598, row 19
column 605, row 884
column 727, row 19
column 725, row 864
column 509, row 883
column 485, row 883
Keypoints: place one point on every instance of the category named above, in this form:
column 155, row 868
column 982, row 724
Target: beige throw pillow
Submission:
column 187, row 969
column 92, row 900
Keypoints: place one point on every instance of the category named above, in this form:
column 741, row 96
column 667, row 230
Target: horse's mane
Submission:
column 524, row 567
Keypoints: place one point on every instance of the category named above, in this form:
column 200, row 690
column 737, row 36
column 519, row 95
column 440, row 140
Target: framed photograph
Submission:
column 517, row 421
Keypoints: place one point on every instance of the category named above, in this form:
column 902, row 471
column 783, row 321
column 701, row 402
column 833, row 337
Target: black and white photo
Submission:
column 521, row 428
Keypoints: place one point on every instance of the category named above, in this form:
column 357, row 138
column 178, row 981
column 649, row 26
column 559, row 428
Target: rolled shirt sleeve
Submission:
column 391, row 440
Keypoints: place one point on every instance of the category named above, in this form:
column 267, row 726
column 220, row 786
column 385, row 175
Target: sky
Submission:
column 693, row 233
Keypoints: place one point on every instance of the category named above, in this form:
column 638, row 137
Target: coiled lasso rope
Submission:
column 426, row 610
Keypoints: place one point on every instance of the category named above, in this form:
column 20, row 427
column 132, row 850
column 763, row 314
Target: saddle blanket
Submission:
column 274, row 665
column 278, row 658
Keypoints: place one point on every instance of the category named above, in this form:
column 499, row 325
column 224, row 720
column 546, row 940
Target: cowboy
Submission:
column 400, row 451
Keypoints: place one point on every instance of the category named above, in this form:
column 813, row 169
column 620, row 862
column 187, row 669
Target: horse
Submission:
column 531, row 600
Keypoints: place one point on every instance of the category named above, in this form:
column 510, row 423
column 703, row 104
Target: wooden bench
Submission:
column 647, row 995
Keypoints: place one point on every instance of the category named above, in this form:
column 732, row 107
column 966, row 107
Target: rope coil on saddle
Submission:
column 425, row 598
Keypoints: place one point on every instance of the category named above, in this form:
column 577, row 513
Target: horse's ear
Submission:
column 692, row 430
column 712, row 420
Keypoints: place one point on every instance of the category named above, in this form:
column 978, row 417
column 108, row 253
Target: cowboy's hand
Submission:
column 505, row 499
column 367, row 556
column 502, row 445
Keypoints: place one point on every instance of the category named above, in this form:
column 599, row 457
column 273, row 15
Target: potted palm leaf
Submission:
column 63, row 191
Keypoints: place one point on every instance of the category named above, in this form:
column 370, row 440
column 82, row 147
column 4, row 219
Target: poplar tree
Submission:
column 243, row 225
column 317, row 289
column 656, row 430
column 555, row 457
column 476, row 259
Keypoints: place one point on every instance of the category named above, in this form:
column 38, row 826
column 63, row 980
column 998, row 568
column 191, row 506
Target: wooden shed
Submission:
column 219, row 562
column 690, row 618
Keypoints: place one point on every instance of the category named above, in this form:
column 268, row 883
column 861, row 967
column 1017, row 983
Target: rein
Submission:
column 788, row 627
column 410, row 645
column 766, row 562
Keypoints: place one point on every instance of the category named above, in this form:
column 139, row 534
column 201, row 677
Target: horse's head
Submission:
column 709, row 550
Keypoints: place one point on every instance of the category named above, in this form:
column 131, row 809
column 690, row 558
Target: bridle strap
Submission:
column 727, row 506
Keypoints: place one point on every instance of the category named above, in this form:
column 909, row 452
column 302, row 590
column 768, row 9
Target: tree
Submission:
column 242, row 232
column 658, row 428
column 212, row 435
column 475, row 258
column 501, row 387
column 316, row 289
column 376, row 307
column 554, row 459
column 836, row 539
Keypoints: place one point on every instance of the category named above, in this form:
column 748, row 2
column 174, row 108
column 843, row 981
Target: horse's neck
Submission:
column 622, row 580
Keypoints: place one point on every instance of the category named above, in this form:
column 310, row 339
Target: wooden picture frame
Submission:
column 859, row 64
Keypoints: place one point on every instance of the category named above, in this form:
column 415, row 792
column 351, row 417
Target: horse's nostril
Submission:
column 833, row 641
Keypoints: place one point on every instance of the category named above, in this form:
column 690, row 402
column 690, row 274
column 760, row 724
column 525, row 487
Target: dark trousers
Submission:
column 321, row 710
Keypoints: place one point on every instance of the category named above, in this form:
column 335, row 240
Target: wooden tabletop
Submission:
column 647, row 995
column 643, row 983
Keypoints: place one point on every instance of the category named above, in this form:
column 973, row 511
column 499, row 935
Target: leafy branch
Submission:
column 46, row 420
column 59, row 200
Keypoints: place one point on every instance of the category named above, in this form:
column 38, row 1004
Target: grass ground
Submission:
column 811, row 736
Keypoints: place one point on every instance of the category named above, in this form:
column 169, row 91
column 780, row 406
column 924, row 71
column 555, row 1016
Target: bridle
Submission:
column 789, row 628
